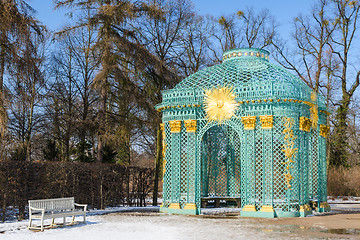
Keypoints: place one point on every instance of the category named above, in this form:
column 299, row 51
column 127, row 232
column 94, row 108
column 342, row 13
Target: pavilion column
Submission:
column 243, row 187
column 166, row 169
column 190, row 126
column 249, row 127
column 175, row 129
column 304, row 133
column 233, row 188
column 324, row 206
column 267, row 126
column 314, row 163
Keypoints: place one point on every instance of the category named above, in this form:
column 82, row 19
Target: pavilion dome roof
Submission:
column 251, row 75
column 240, row 68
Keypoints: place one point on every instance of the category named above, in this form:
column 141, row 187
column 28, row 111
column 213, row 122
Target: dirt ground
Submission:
column 329, row 221
column 335, row 225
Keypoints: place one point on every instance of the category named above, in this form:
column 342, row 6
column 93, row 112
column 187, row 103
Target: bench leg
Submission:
column 84, row 217
column 64, row 220
column 30, row 222
column 42, row 224
column 217, row 203
column 73, row 219
column 52, row 222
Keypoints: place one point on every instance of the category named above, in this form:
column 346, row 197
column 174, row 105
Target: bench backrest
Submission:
column 53, row 204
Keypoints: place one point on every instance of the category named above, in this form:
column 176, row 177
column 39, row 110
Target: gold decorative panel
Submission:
column 289, row 149
column 175, row 126
column 304, row 124
column 324, row 130
column 266, row 121
column 249, row 122
column 190, row 125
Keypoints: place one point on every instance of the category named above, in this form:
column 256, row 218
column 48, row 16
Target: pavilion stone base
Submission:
column 250, row 211
column 174, row 208
column 324, row 207
column 270, row 212
column 305, row 210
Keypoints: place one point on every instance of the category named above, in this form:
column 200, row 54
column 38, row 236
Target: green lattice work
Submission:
column 235, row 160
column 259, row 166
column 168, row 170
column 184, row 166
column 279, row 196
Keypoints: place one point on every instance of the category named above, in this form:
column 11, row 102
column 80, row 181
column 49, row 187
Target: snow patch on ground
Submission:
column 147, row 223
column 343, row 199
column 18, row 229
column 140, row 224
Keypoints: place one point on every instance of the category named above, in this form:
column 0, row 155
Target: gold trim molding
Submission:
column 309, row 103
column 324, row 205
column 249, row 122
column 162, row 128
column 267, row 208
column 326, row 112
column 174, row 206
column 324, row 130
column 175, row 126
column 305, row 124
column 191, row 206
column 305, row 208
column 249, row 208
column 190, row 125
column 266, row 121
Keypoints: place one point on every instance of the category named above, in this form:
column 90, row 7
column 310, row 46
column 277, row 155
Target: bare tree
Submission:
column 165, row 38
column 192, row 55
column 72, row 99
column 342, row 45
column 244, row 29
column 312, row 36
column 17, row 26
column 26, row 88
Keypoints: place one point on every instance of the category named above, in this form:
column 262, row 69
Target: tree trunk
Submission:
column 158, row 164
column 100, row 148
column 30, row 125
column 102, row 125
column 3, row 113
column 2, row 70
column 2, row 63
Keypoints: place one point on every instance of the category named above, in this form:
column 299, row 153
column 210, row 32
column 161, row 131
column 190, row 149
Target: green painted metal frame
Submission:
column 253, row 158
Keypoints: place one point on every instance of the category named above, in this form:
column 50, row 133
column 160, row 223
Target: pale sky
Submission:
column 283, row 10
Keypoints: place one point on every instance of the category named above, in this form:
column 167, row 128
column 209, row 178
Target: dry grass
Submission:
column 344, row 181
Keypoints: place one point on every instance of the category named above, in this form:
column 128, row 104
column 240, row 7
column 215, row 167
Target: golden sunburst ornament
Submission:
column 220, row 104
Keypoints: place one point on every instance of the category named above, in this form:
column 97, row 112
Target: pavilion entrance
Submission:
column 220, row 167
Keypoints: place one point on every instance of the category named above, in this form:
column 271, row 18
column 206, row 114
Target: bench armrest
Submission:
column 31, row 209
column 81, row 205
column 37, row 209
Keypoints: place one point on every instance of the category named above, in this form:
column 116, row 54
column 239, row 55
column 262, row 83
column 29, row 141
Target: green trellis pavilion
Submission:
column 248, row 130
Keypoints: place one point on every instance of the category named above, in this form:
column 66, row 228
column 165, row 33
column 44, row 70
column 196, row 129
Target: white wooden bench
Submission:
column 54, row 208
